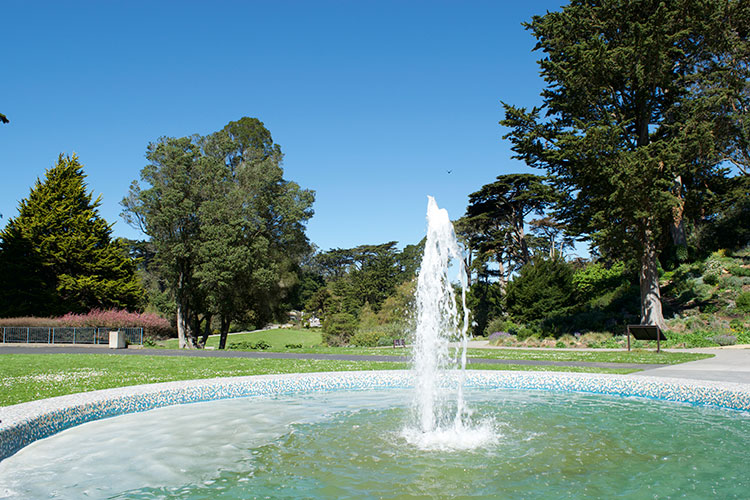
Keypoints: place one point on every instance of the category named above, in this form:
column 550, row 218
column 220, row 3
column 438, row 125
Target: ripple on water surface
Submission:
column 353, row 445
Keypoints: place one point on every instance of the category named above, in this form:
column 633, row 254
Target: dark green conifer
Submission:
column 57, row 255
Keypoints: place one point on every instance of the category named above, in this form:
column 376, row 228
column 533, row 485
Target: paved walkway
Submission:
column 201, row 353
column 727, row 365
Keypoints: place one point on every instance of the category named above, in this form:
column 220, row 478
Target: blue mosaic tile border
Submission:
column 21, row 425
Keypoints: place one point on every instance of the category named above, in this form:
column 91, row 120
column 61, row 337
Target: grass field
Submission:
column 27, row 377
column 278, row 339
column 311, row 342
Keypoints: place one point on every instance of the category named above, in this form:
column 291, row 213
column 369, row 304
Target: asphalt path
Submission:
column 205, row 353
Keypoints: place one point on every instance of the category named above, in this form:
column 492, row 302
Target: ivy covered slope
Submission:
column 57, row 256
column 708, row 301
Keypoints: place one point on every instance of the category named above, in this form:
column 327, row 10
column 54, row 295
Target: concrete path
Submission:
column 201, row 353
column 727, row 365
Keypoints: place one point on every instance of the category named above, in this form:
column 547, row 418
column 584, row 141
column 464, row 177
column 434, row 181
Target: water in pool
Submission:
column 353, row 445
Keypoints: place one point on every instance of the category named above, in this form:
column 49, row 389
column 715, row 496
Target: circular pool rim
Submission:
column 22, row 424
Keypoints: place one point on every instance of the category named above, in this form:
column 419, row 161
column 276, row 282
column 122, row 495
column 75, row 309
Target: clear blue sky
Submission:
column 372, row 102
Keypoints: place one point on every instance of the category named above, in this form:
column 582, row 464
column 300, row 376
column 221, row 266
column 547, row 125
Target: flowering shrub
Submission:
column 501, row 338
column 153, row 325
column 498, row 335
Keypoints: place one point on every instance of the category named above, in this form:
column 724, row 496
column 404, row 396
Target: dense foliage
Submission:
column 57, row 255
column 635, row 124
column 227, row 229
column 542, row 288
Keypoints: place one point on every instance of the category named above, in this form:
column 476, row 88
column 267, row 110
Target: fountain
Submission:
column 477, row 434
column 441, row 423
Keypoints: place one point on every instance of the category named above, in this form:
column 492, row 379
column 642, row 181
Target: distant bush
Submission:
column 743, row 302
column 339, row 328
column 739, row 270
column 595, row 279
column 261, row 345
column 543, row 288
column 724, row 339
column 153, row 325
column 378, row 335
column 293, row 346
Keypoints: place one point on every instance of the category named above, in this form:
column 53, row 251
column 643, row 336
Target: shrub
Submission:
column 743, row 302
column 595, row 279
column 711, row 278
column 153, row 325
column 261, row 345
column 739, row 271
column 542, row 288
column 293, row 346
column 501, row 338
column 724, row 339
column 378, row 335
column 365, row 339
column 339, row 328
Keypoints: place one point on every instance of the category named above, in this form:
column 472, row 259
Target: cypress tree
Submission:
column 57, row 255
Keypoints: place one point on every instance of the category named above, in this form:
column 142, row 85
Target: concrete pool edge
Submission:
column 22, row 424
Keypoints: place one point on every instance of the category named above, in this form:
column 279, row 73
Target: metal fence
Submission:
column 67, row 335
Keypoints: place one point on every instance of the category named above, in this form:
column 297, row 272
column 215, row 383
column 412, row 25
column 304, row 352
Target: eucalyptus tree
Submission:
column 168, row 212
column 631, row 126
column 254, row 234
column 226, row 225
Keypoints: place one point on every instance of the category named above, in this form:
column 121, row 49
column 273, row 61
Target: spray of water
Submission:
column 441, row 414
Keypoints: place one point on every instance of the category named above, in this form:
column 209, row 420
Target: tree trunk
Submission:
column 206, row 331
column 224, row 332
column 184, row 330
column 502, row 280
column 651, row 312
column 677, row 227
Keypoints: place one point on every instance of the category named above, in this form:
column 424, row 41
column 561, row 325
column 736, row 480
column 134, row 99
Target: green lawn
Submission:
column 278, row 339
column 27, row 377
column 311, row 341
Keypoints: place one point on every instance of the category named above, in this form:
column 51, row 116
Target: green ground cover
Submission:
column 311, row 340
column 277, row 339
column 27, row 377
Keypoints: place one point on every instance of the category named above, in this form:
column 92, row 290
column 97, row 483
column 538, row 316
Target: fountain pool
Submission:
column 323, row 436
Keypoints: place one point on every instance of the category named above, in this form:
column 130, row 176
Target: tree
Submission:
column 253, row 235
column 57, row 256
column 543, row 287
column 549, row 236
column 227, row 227
column 627, row 131
column 495, row 219
column 168, row 213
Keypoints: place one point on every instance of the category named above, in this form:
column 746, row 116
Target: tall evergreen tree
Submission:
column 632, row 127
column 57, row 255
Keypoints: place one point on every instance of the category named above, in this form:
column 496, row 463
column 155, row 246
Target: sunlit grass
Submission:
column 27, row 377
column 311, row 342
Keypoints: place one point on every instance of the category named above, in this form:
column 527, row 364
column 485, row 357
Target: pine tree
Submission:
column 634, row 125
column 57, row 255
